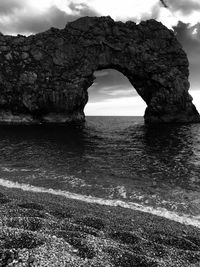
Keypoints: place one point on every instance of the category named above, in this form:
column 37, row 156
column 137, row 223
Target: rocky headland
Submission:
column 45, row 77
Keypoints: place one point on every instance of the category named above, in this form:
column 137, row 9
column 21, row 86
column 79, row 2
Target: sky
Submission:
column 111, row 93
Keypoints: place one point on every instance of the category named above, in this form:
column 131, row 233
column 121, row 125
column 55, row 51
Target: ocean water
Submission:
column 109, row 160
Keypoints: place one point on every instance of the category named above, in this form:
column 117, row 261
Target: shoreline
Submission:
column 42, row 229
column 161, row 212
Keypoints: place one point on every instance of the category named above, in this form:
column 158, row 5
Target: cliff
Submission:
column 45, row 77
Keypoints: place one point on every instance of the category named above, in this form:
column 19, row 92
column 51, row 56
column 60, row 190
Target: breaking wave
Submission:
column 162, row 212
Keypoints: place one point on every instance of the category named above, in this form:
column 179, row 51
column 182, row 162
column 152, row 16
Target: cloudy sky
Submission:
column 111, row 93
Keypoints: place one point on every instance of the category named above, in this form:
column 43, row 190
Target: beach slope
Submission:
column 42, row 229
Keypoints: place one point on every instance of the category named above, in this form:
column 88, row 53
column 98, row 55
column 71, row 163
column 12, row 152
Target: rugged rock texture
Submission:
column 45, row 77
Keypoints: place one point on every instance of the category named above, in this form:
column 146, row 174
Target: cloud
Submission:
column 125, row 106
column 10, row 6
column 152, row 14
column 173, row 11
column 23, row 19
column 81, row 10
column 101, row 73
column 189, row 37
column 37, row 22
column 118, row 91
column 110, row 84
column 184, row 6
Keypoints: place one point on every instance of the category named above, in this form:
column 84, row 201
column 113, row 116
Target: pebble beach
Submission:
column 41, row 229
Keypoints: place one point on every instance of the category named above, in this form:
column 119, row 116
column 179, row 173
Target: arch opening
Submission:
column 112, row 94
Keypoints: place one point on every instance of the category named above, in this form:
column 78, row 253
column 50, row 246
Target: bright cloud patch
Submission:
column 125, row 106
column 126, row 9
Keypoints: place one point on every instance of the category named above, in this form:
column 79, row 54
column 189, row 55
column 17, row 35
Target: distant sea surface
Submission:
column 109, row 158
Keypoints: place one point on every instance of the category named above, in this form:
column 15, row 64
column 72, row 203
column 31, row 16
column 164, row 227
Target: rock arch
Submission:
column 45, row 77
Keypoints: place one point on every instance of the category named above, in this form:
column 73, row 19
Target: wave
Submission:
column 161, row 212
column 9, row 169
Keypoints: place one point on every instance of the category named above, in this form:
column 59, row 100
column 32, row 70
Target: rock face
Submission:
column 45, row 77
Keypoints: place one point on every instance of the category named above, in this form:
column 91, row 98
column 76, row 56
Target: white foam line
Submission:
column 161, row 212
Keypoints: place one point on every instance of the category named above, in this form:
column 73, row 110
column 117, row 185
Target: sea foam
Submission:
column 161, row 212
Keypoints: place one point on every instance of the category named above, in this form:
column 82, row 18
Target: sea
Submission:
column 114, row 161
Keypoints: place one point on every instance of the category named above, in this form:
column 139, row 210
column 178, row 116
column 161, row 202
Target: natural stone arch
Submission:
column 45, row 77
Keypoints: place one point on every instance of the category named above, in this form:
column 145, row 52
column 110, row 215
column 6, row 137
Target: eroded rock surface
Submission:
column 45, row 77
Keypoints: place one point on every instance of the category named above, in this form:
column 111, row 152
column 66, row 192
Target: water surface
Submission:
column 113, row 158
